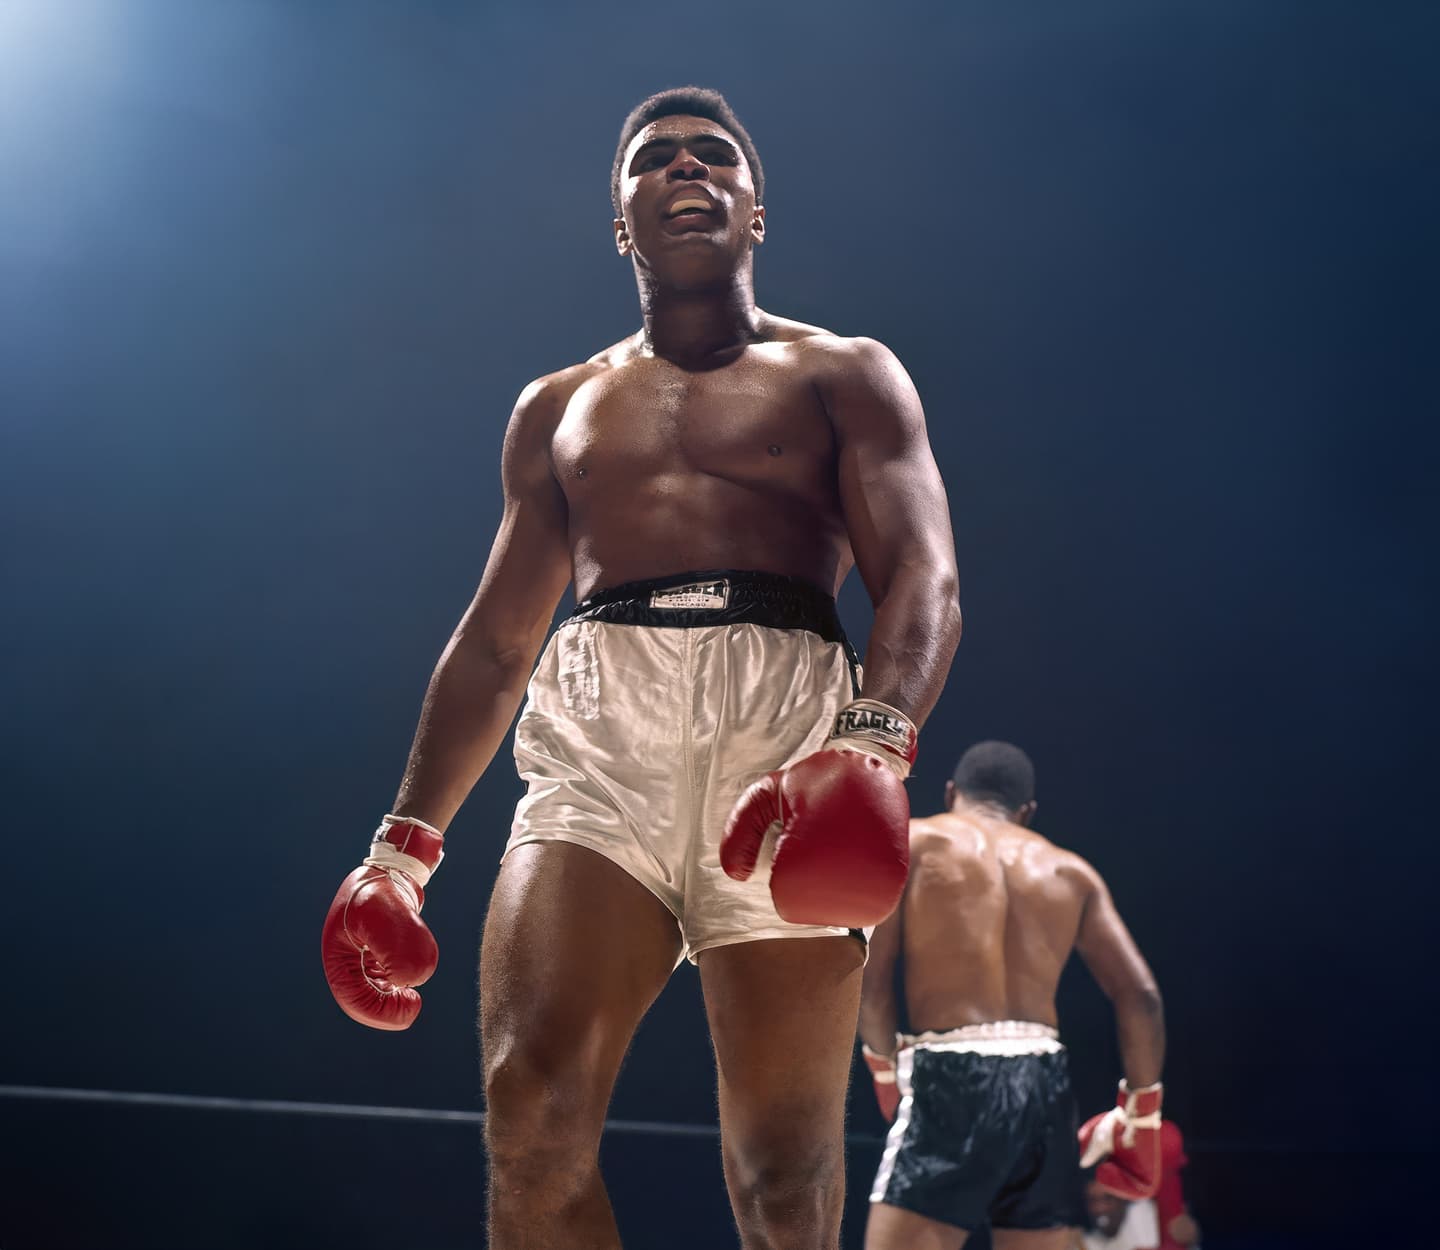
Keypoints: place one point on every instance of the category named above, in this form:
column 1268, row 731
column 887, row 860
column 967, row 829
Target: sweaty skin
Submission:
column 735, row 464
column 717, row 436
column 798, row 453
column 992, row 913
column 990, row 916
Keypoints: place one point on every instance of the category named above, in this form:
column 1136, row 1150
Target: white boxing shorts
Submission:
column 651, row 710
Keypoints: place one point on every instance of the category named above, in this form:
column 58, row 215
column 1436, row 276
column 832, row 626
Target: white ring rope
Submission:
column 661, row 1128
column 274, row 1106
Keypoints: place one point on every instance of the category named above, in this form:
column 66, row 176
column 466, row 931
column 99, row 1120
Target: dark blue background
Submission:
column 271, row 275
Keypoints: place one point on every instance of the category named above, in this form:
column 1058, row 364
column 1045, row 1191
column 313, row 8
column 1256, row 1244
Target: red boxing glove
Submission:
column 374, row 944
column 1125, row 1142
column 841, row 819
column 882, row 1072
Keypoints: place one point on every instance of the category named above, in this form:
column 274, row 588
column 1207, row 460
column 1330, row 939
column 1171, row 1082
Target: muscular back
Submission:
column 991, row 914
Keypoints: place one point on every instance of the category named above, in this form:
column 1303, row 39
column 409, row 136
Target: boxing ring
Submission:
column 94, row 1169
column 97, row 1169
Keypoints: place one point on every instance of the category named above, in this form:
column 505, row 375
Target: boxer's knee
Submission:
column 543, row 1118
column 787, row 1192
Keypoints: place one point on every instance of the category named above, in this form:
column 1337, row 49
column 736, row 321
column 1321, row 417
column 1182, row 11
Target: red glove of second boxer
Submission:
column 374, row 945
column 841, row 816
column 1125, row 1142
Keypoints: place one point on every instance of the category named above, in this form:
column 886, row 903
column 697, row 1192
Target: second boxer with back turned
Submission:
column 984, row 1120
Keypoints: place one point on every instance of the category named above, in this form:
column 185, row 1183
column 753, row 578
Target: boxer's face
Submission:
column 687, row 202
column 1107, row 1212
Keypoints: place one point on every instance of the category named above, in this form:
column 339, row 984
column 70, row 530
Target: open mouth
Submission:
column 690, row 206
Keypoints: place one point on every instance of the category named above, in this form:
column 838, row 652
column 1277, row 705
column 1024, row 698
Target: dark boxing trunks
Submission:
column 985, row 1130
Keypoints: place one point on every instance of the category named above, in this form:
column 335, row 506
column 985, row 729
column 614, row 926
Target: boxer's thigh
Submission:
column 782, row 1018
column 1034, row 1238
column 891, row 1228
column 574, row 952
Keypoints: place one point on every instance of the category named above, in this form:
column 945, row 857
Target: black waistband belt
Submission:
column 717, row 597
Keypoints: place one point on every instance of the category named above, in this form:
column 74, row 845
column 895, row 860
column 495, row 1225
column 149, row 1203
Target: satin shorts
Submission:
column 649, row 713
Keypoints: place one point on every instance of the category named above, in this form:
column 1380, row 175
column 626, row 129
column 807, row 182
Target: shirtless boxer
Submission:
column 984, row 1119
column 707, row 484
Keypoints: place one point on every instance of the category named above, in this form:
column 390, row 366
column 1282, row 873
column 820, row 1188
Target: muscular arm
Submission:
column 1107, row 948
column 481, row 677
column 879, row 1013
column 899, row 526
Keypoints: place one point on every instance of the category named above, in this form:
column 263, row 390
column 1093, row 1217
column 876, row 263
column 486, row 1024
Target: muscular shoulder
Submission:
column 542, row 403
column 1075, row 869
column 552, row 391
column 836, row 359
column 941, row 836
column 864, row 387
column 925, row 835
column 830, row 356
column 525, row 457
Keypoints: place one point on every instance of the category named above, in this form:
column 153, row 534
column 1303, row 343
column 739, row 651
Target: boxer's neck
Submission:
column 981, row 809
column 696, row 326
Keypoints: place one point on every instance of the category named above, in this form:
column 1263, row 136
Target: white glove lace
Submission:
column 389, row 858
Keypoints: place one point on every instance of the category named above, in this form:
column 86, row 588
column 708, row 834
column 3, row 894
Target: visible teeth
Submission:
column 683, row 205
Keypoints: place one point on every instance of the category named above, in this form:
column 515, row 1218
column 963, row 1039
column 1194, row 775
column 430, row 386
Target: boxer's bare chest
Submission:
column 757, row 421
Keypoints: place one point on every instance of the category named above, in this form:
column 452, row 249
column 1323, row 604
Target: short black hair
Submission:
column 687, row 102
column 996, row 772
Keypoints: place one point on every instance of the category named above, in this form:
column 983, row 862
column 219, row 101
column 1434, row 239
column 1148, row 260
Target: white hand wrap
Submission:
column 874, row 728
column 390, row 858
column 1119, row 1120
